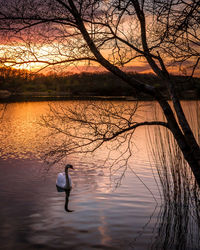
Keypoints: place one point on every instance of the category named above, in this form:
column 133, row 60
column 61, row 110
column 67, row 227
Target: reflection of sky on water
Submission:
column 32, row 213
column 21, row 136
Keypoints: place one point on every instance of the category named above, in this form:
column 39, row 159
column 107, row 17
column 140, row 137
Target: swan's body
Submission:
column 64, row 181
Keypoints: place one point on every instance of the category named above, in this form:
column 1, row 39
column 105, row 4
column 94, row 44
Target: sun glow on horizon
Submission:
column 44, row 59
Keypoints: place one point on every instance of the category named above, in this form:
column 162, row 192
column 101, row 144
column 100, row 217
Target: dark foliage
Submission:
column 86, row 84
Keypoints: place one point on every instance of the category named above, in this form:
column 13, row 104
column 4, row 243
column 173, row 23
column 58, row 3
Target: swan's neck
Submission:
column 67, row 180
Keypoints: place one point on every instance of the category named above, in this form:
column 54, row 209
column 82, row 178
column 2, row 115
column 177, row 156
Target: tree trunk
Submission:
column 191, row 156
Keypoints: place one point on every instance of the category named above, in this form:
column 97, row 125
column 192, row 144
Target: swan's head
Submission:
column 68, row 166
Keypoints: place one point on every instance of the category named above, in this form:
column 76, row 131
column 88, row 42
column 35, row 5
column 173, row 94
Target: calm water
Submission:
column 32, row 213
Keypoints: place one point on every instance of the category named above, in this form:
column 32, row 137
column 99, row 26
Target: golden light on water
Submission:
column 20, row 130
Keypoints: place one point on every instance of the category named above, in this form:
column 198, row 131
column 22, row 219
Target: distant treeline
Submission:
column 86, row 84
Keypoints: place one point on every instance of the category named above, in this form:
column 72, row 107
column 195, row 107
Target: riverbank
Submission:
column 41, row 96
column 32, row 98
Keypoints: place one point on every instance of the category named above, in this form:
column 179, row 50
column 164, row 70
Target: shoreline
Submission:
column 32, row 98
column 39, row 96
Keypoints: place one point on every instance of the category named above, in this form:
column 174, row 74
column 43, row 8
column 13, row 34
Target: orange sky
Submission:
column 138, row 65
column 47, row 44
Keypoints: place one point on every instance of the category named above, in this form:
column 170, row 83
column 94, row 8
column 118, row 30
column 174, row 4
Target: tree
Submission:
column 112, row 33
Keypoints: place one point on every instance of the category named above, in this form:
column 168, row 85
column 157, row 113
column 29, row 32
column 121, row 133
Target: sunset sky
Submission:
column 59, row 45
column 139, row 65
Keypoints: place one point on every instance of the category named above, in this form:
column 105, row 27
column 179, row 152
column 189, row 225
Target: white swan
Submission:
column 64, row 181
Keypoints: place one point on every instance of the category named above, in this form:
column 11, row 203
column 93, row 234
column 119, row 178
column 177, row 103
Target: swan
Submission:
column 64, row 181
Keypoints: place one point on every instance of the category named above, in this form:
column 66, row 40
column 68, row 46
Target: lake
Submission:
column 113, row 207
